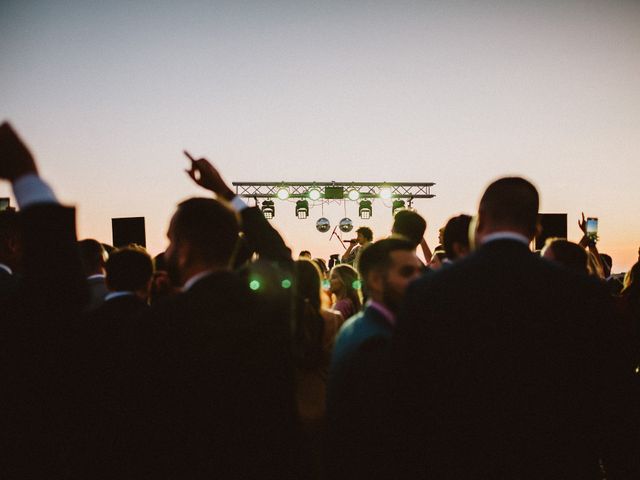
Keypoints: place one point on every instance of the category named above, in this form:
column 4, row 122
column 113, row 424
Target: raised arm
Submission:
column 52, row 270
column 590, row 244
column 259, row 236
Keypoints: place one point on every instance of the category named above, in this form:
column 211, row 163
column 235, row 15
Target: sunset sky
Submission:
column 108, row 94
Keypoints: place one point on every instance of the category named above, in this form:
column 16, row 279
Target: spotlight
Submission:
column 283, row 193
column 397, row 206
column 353, row 195
column 385, row 192
column 268, row 209
column 302, row 209
column 365, row 210
column 314, row 194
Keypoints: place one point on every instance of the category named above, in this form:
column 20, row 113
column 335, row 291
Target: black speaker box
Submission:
column 553, row 225
column 128, row 230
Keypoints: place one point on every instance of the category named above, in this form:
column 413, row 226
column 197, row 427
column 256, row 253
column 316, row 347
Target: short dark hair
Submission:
column 92, row 255
column 209, row 226
column 409, row 224
column 129, row 269
column 377, row 256
column 512, row 201
column 568, row 254
column 366, row 233
column 456, row 231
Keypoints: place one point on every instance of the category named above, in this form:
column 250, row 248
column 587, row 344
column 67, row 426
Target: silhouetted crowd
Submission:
column 223, row 357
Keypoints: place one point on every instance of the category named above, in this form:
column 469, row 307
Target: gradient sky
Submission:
column 108, row 94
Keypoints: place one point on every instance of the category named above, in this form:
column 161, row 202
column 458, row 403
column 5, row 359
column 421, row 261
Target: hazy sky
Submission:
column 458, row 93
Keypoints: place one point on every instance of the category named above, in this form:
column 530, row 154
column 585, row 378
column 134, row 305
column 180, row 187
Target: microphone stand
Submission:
column 337, row 236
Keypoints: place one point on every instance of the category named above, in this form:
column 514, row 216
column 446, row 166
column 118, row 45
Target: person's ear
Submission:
column 375, row 281
column 184, row 254
column 474, row 231
column 538, row 230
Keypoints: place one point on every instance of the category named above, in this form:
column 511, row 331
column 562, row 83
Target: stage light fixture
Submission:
column 283, row 193
column 314, row 194
column 302, row 209
column 268, row 209
column 365, row 210
column 397, row 206
column 353, row 194
column 385, row 192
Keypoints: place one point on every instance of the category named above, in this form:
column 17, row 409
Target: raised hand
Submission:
column 207, row 176
column 15, row 158
column 583, row 224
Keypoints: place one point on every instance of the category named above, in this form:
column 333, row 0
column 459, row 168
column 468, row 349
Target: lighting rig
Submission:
column 304, row 192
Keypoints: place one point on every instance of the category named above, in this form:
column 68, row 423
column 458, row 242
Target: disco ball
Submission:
column 323, row 225
column 346, row 225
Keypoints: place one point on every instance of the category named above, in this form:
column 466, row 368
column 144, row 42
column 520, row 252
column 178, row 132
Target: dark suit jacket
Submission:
column 357, row 395
column 8, row 285
column 213, row 385
column 509, row 367
column 35, row 329
column 105, row 354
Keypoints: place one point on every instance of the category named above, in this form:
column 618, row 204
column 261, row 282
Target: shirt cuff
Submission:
column 238, row 204
column 30, row 189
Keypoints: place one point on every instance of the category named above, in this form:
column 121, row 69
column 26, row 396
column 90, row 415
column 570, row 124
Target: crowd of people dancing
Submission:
column 225, row 357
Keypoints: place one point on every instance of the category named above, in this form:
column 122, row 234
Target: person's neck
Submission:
column 340, row 295
column 377, row 298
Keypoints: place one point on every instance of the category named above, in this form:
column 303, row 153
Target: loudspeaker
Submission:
column 128, row 230
column 553, row 225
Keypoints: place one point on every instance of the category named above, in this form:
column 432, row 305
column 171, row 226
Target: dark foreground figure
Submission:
column 508, row 367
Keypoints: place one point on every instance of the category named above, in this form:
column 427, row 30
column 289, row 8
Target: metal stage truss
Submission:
column 335, row 190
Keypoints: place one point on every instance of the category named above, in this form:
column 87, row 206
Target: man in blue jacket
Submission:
column 357, row 380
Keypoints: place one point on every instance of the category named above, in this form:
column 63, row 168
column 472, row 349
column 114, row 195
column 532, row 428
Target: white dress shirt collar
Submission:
column 193, row 280
column 383, row 310
column 506, row 236
column 112, row 295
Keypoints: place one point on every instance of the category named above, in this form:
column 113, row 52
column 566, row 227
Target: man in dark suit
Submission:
column 35, row 324
column 214, row 376
column 508, row 366
column 358, row 380
column 107, row 343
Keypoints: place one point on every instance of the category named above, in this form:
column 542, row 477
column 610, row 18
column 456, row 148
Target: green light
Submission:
column 254, row 285
column 283, row 193
column 314, row 194
column 286, row 283
column 357, row 284
column 326, row 284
